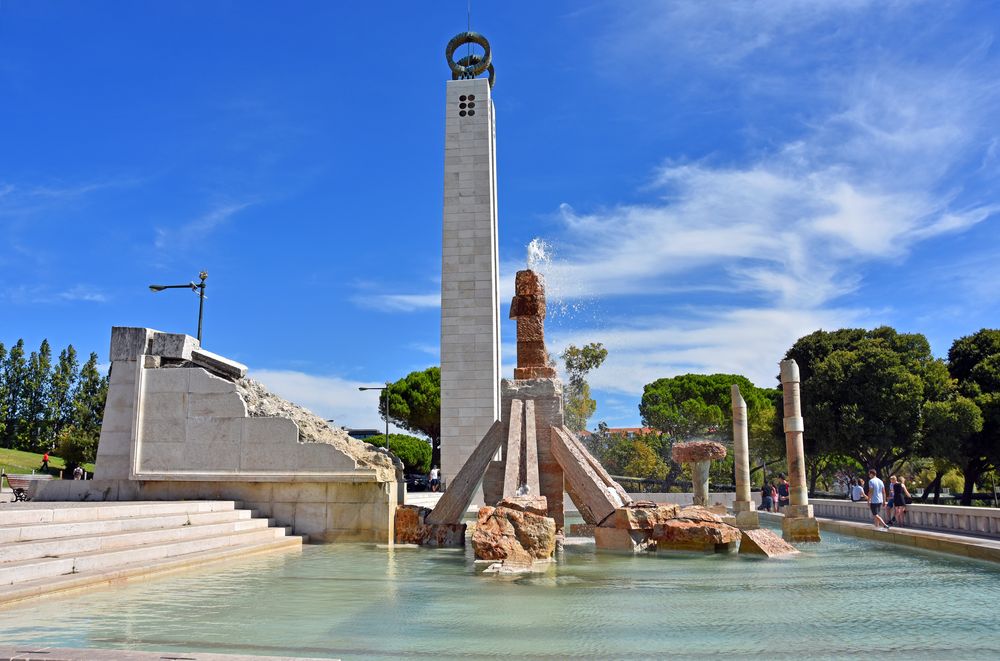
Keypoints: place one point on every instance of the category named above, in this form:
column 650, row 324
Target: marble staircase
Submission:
column 50, row 547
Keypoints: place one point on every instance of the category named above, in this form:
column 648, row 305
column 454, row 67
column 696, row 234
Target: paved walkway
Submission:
column 978, row 548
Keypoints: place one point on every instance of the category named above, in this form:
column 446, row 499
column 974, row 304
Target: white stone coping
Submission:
column 360, row 475
column 961, row 519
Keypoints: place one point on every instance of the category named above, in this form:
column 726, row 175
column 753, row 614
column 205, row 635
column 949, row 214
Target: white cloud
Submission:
column 399, row 302
column 84, row 293
column 328, row 396
column 195, row 230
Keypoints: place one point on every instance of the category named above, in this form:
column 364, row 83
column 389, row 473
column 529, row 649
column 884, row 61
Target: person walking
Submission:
column 435, row 477
column 890, row 501
column 876, row 498
column 45, row 462
column 766, row 500
column 783, row 491
column 901, row 497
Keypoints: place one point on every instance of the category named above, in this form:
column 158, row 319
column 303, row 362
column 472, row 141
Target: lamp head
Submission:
column 156, row 288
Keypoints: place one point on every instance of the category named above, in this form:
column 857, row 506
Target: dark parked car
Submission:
column 417, row 482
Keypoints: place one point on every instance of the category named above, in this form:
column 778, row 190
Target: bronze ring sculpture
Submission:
column 470, row 66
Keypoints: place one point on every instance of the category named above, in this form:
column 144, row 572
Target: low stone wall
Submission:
column 945, row 518
column 321, row 511
column 724, row 497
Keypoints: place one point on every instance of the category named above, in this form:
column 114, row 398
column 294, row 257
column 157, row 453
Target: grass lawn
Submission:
column 18, row 461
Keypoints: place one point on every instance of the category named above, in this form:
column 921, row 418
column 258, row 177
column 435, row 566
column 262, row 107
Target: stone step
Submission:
column 39, row 531
column 63, row 546
column 28, row 513
column 140, row 570
column 107, row 560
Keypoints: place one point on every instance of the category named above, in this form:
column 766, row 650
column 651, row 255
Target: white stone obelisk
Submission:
column 799, row 523
column 743, row 506
column 470, row 323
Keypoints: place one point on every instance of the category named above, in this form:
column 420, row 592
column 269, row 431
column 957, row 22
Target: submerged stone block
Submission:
column 617, row 539
column 765, row 542
column 804, row 529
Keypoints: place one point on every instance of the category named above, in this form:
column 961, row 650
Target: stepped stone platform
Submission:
column 28, row 653
column 54, row 547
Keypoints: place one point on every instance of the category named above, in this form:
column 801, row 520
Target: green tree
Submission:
column 415, row 453
column 88, row 400
column 33, row 434
column 77, row 448
column 415, row 405
column 974, row 361
column 950, row 430
column 3, row 392
column 863, row 393
column 13, row 377
column 579, row 361
column 60, row 399
column 701, row 405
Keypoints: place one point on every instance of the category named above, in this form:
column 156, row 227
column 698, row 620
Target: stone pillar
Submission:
column 699, row 481
column 528, row 308
column 799, row 524
column 470, row 323
column 743, row 507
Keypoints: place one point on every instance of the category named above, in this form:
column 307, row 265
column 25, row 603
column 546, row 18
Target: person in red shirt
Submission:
column 45, row 462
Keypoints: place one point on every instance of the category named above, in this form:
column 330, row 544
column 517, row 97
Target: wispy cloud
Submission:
column 44, row 295
column 398, row 302
column 781, row 238
column 84, row 293
column 195, row 230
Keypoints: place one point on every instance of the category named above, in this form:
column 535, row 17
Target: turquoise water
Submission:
column 843, row 597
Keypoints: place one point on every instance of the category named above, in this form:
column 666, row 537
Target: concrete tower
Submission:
column 470, row 324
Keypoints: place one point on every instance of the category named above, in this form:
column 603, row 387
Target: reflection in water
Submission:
column 843, row 597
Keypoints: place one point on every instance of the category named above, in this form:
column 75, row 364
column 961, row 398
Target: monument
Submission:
column 470, row 323
column 743, row 506
column 183, row 423
column 799, row 524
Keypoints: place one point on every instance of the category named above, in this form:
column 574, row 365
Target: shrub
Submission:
column 415, row 453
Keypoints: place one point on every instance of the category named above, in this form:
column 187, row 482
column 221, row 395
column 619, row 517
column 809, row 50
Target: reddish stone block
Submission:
column 530, row 329
column 532, row 354
column 527, row 306
column 534, row 373
column 527, row 283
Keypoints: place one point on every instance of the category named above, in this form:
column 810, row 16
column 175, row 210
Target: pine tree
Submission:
column 34, row 397
column 88, row 399
column 12, row 375
column 61, row 391
column 3, row 391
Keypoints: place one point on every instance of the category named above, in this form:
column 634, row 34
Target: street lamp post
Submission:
column 386, row 389
column 198, row 288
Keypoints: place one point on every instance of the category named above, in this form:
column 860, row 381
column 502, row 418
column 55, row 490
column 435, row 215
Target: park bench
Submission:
column 20, row 484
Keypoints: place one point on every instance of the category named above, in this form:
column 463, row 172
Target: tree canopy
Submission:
column 701, row 405
column 579, row 361
column 863, row 392
column 42, row 404
column 415, row 453
column 974, row 362
column 415, row 405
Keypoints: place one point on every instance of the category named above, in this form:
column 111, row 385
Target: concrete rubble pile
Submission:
column 261, row 402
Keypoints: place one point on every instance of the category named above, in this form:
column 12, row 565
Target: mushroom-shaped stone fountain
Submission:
column 700, row 454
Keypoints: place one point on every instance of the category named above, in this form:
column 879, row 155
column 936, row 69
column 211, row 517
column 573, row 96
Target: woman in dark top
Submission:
column 900, row 494
column 766, row 502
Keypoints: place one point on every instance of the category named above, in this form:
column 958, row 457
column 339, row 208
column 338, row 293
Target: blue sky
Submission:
column 715, row 179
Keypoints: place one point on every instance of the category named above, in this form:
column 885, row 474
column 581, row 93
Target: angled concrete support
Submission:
column 456, row 500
